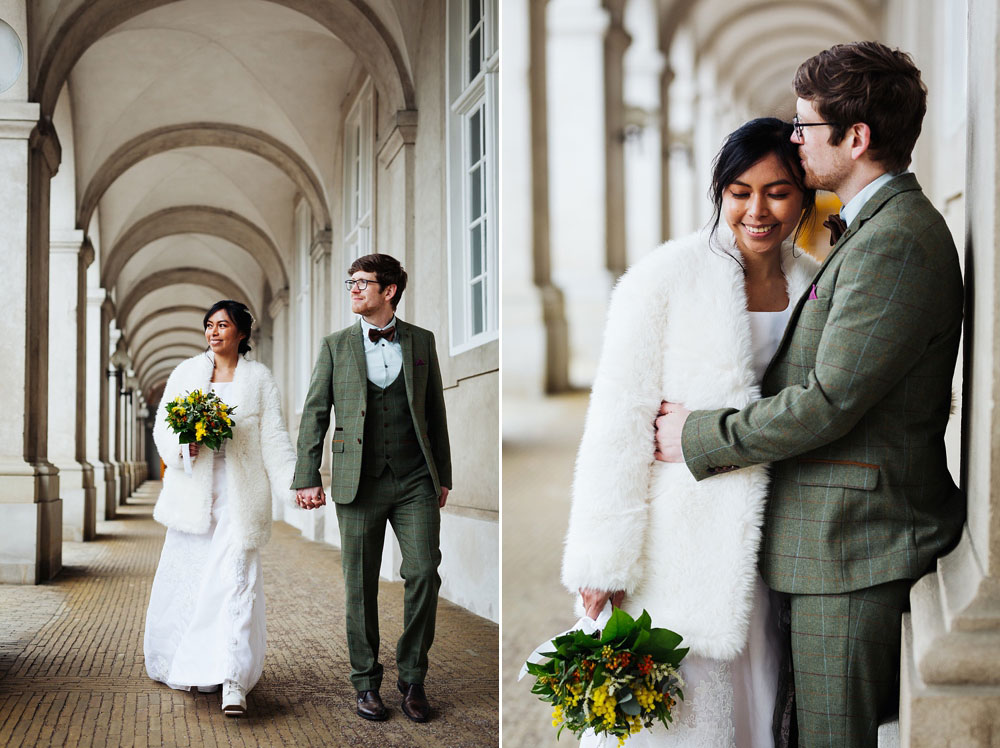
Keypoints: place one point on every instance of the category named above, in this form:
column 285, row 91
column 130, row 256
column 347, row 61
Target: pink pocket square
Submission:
column 420, row 362
column 812, row 293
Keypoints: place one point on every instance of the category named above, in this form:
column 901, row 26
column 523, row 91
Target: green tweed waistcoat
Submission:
column 857, row 398
column 390, row 440
column 340, row 382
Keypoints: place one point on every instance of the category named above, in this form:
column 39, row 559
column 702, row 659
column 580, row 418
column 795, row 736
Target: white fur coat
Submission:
column 260, row 460
column 686, row 551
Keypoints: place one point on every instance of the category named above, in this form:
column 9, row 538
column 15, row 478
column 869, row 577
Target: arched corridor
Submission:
column 163, row 155
column 72, row 672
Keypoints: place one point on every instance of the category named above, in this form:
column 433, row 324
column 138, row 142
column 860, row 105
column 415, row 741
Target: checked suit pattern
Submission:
column 390, row 457
column 857, row 398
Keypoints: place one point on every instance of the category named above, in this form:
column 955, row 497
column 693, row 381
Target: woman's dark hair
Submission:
column 746, row 146
column 239, row 315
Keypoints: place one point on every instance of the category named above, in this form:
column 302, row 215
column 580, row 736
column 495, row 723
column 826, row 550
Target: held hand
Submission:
column 310, row 498
column 669, row 427
column 192, row 449
column 444, row 497
column 594, row 600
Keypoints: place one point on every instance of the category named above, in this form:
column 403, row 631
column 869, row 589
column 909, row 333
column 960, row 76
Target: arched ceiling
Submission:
column 755, row 46
column 194, row 127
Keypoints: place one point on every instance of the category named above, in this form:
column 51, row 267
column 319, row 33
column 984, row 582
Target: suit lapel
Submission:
column 406, row 343
column 357, row 346
column 903, row 183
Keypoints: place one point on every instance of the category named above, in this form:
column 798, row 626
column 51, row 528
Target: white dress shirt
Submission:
column 383, row 359
column 850, row 211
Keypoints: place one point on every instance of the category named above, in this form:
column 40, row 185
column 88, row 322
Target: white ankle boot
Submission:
column 234, row 702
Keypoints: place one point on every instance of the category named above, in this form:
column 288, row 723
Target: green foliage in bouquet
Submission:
column 200, row 417
column 615, row 681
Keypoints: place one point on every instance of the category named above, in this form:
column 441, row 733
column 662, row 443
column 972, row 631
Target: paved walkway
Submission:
column 540, row 439
column 72, row 673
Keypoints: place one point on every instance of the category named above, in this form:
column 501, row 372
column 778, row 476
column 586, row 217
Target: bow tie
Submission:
column 388, row 333
column 837, row 227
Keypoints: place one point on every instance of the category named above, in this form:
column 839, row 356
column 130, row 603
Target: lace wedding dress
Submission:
column 205, row 623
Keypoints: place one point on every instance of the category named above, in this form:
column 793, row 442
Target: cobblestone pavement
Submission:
column 540, row 439
column 72, row 673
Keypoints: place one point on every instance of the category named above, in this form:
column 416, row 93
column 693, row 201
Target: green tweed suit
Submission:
column 857, row 398
column 397, row 482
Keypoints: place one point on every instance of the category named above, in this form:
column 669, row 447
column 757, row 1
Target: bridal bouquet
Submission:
column 200, row 417
column 614, row 682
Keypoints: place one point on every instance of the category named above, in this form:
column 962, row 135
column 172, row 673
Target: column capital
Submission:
column 45, row 140
column 70, row 242
column 322, row 244
column 18, row 119
column 278, row 303
column 108, row 306
column 403, row 131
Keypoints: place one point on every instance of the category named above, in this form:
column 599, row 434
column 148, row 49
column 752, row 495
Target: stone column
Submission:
column 277, row 311
column 577, row 173
column 91, row 387
column 950, row 679
column 616, row 42
column 320, row 292
column 69, row 257
column 396, row 228
column 105, row 385
column 31, row 529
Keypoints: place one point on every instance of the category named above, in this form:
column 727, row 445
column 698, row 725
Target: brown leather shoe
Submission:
column 370, row 706
column 414, row 704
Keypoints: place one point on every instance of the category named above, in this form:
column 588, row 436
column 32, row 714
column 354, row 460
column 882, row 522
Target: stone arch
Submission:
column 351, row 21
column 769, row 45
column 171, row 348
column 167, row 361
column 179, row 276
column 216, row 134
column 834, row 11
column 134, row 332
column 196, row 219
column 145, row 346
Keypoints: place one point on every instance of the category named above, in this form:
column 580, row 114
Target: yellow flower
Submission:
column 228, row 421
column 199, row 430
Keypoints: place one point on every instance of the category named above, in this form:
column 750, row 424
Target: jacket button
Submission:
column 359, row 441
column 362, row 413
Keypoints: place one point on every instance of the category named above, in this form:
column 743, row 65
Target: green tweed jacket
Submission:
column 340, row 381
column 856, row 402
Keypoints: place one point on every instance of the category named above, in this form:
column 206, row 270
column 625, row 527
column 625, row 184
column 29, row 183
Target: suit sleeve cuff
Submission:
column 306, row 480
column 700, row 447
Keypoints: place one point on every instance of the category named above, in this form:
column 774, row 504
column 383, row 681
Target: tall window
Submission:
column 473, row 62
column 358, row 182
column 303, row 326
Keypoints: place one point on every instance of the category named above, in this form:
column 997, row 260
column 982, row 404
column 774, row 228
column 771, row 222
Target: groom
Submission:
column 391, row 463
column 856, row 400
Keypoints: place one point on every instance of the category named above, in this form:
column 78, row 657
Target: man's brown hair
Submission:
column 867, row 82
column 387, row 271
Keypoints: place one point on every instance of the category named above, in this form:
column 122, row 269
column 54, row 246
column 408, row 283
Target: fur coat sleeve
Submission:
column 608, row 517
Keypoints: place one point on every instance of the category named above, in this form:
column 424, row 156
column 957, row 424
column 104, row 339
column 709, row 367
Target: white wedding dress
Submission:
column 728, row 703
column 205, row 623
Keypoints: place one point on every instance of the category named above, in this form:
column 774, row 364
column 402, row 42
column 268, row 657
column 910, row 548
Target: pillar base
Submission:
column 31, row 530
column 79, row 496
column 110, row 490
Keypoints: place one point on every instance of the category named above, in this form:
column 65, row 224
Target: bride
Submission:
column 695, row 322
column 205, row 622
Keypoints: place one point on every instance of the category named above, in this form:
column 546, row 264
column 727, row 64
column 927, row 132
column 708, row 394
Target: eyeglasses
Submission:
column 362, row 283
column 799, row 125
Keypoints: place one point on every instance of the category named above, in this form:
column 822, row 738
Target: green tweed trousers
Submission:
column 845, row 656
column 409, row 504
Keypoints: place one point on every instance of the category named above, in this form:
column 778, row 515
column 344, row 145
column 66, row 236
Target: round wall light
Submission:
column 11, row 56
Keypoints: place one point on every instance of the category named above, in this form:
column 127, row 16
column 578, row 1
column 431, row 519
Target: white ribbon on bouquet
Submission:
column 186, row 456
column 586, row 624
